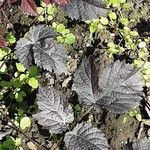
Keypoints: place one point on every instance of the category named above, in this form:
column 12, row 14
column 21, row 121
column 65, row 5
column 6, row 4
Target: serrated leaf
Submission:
column 85, row 137
column 86, row 82
column 28, row 7
column 40, row 46
column 50, row 56
column 53, row 116
column 84, row 9
column 141, row 144
column 118, row 89
column 24, row 52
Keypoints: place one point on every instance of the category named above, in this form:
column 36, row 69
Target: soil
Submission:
column 117, row 132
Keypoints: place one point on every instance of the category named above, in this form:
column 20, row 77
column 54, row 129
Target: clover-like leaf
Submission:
column 85, row 137
column 53, row 116
column 39, row 46
column 84, row 9
column 118, row 89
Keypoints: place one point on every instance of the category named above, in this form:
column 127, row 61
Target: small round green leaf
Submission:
column 25, row 123
column 20, row 67
column 104, row 20
column 33, row 82
column 70, row 38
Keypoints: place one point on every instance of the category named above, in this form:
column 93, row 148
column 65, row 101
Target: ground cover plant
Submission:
column 74, row 74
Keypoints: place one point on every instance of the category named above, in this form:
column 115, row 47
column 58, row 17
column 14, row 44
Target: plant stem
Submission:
column 85, row 113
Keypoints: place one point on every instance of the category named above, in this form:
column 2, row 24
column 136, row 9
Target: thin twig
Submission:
column 7, row 20
column 85, row 114
column 140, row 130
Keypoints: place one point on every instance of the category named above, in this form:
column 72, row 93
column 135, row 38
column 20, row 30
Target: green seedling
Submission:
column 65, row 36
column 46, row 12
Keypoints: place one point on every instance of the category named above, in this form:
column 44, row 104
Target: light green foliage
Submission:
column 77, row 110
column 46, row 12
column 65, row 36
column 114, row 48
column 3, row 67
column 8, row 144
column 112, row 15
column 25, row 123
column 17, row 142
column 104, row 21
column 115, row 3
column 136, row 114
column 33, row 82
column 4, row 52
column 19, row 95
column 96, row 24
column 21, row 78
column 124, row 21
column 10, row 38
column 20, row 67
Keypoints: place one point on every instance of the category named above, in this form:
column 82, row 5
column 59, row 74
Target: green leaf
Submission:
column 9, row 144
column 40, row 10
column 124, row 21
column 93, row 28
column 5, row 84
column 18, row 142
column 41, row 18
column 18, row 97
column 51, row 9
column 60, row 28
column 33, row 71
column 1, row 97
column 17, row 83
column 104, row 20
column 70, row 38
column 3, row 66
column 23, row 93
column 112, row 15
column 78, row 108
column 49, row 18
column 138, row 117
column 10, row 38
column 22, row 77
column 66, row 31
column 33, row 82
column 20, row 67
column 3, row 52
column 116, row 2
column 60, row 39
column 25, row 123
